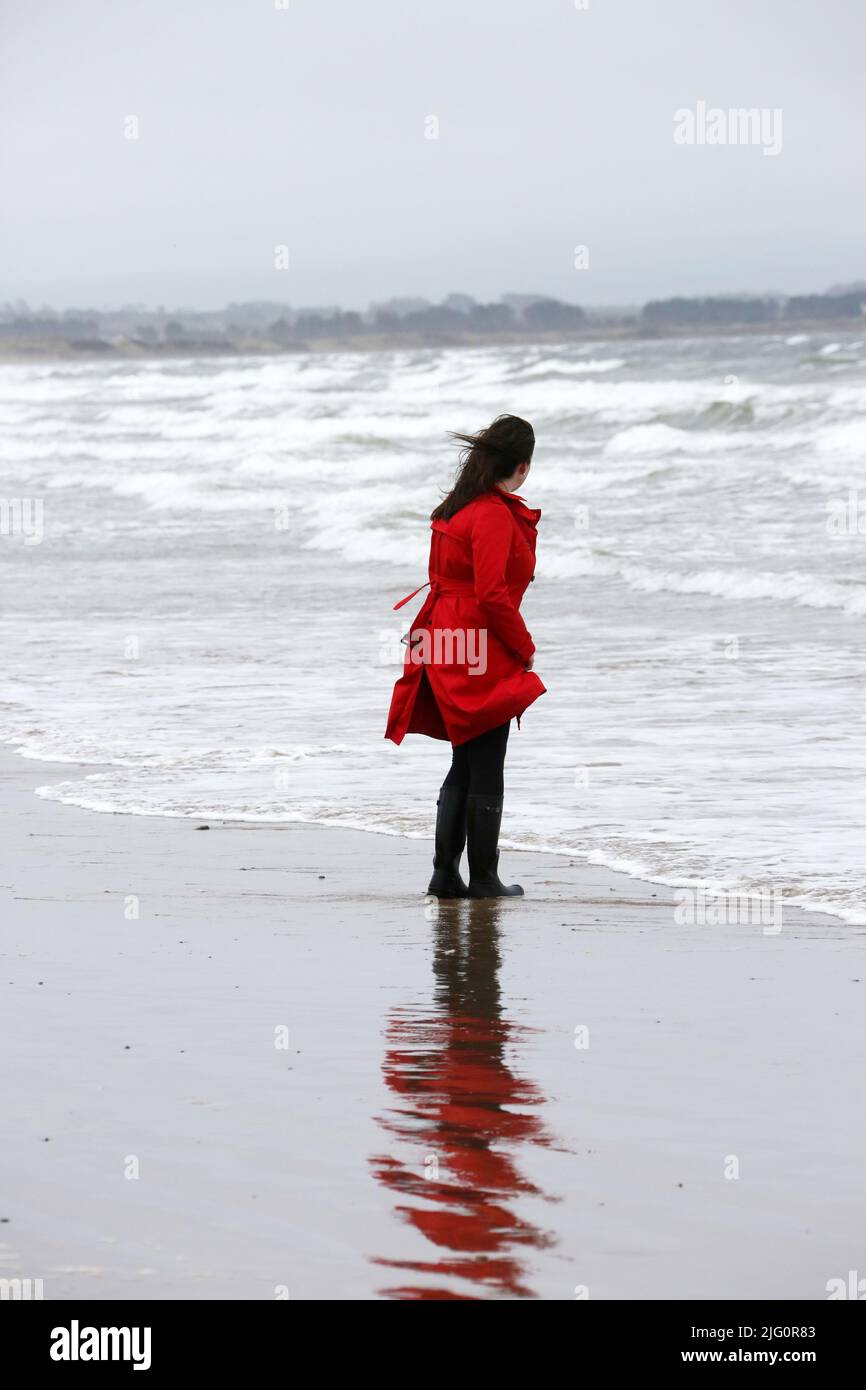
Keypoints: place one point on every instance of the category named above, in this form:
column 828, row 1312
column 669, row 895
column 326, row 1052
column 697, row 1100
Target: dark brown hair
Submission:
column 487, row 458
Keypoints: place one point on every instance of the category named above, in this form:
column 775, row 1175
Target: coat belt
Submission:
column 439, row 585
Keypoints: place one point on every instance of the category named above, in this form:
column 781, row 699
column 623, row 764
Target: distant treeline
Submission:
column 724, row 311
column 543, row 315
column 457, row 316
column 267, row 325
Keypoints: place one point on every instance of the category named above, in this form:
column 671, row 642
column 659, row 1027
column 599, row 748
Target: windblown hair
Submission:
column 487, row 458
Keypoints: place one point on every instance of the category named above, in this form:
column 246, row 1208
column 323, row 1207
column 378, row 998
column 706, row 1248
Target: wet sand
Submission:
column 431, row 1129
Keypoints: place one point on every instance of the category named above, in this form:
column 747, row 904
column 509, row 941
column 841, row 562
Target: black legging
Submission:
column 478, row 764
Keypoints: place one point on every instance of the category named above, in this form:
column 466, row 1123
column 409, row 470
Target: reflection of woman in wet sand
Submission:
column 458, row 1106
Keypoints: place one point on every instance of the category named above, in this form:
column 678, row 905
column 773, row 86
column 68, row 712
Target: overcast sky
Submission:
column 306, row 126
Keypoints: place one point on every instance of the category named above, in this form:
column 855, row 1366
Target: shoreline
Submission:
column 234, row 1055
column 577, row 859
column 44, row 351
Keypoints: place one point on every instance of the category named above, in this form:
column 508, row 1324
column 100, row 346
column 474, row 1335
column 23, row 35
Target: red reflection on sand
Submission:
column 461, row 1108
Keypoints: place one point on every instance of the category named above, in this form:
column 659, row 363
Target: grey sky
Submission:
column 305, row 126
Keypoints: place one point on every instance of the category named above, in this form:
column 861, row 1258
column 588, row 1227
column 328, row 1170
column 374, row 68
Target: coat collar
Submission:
column 518, row 504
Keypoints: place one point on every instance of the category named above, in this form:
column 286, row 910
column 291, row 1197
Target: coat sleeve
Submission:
column 492, row 534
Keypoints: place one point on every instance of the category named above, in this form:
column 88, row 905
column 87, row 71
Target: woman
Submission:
column 468, row 668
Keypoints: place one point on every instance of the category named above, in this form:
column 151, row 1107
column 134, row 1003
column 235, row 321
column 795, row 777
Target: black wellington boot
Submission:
column 483, row 818
column 450, row 840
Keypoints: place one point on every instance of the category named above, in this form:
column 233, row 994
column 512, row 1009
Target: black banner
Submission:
column 158, row 1339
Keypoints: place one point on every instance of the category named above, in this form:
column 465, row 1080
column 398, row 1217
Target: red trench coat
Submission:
column 465, row 667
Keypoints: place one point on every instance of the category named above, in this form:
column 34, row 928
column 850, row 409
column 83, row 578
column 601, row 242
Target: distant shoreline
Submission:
column 25, row 349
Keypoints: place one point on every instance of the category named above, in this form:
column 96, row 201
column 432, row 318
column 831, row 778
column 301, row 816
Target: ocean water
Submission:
column 205, row 624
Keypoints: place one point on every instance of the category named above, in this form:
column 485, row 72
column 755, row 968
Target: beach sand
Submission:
column 436, row 1126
